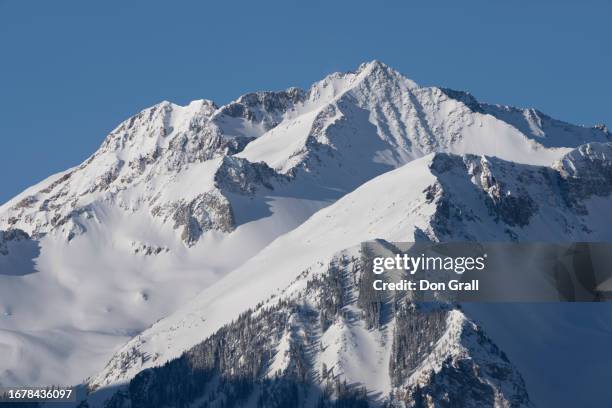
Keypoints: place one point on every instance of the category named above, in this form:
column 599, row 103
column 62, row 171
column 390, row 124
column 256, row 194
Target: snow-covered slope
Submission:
column 440, row 197
column 178, row 196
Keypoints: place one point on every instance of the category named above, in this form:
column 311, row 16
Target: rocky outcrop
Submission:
column 586, row 172
column 500, row 185
column 206, row 212
column 239, row 176
column 263, row 108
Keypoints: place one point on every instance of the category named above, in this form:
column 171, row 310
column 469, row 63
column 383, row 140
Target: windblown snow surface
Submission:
column 187, row 217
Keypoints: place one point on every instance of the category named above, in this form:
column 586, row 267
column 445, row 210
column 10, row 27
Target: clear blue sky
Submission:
column 70, row 71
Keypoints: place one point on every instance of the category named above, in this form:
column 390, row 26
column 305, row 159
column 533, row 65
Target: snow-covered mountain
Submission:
column 441, row 197
column 329, row 341
column 230, row 201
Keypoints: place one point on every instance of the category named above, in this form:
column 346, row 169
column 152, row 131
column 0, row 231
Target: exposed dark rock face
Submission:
column 148, row 249
column 465, row 97
column 586, row 172
column 104, row 181
column 514, row 194
column 515, row 208
column 449, row 216
column 212, row 210
column 261, row 107
column 240, row 176
column 206, row 212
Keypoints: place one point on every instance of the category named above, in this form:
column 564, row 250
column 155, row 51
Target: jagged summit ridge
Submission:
column 354, row 126
column 344, row 130
column 544, row 129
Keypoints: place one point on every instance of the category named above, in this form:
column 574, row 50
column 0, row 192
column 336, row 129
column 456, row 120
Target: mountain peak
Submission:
column 372, row 65
column 379, row 69
column 373, row 73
